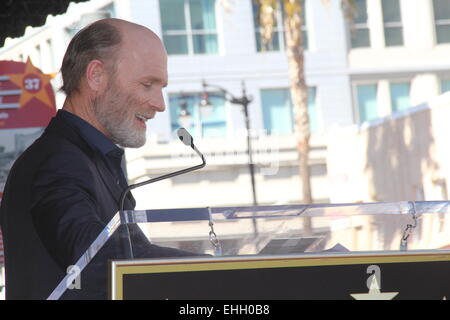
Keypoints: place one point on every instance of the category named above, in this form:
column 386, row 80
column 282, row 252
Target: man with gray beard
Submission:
column 65, row 188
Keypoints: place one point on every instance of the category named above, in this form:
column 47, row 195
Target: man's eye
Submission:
column 147, row 85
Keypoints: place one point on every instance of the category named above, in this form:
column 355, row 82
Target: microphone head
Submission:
column 185, row 137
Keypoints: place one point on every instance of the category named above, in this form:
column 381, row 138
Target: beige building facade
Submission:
column 400, row 157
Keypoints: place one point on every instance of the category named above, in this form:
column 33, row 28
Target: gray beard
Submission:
column 117, row 120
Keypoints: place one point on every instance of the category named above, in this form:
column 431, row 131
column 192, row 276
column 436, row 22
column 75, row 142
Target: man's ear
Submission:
column 96, row 75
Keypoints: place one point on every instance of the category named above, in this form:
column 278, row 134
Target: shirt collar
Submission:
column 93, row 137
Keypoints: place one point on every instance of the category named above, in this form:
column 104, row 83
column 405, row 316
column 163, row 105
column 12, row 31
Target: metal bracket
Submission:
column 409, row 228
column 213, row 237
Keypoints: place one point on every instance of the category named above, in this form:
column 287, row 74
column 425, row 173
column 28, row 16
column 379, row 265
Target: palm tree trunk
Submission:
column 299, row 95
column 299, row 91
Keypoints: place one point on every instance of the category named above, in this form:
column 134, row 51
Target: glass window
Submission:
column 400, row 96
column 203, row 15
column 367, row 102
column 201, row 124
column 445, row 86
column 278, row 113
column 278, row 30
column 392, row 19
column 205, row 43
column 360, row 33
column 189, row 26
column 172, row 15
column 304, row 28
column 312, row 110
column 176, row 44
column 442, row 20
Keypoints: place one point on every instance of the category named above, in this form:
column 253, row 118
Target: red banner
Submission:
column 27, row 103
column 26, row 96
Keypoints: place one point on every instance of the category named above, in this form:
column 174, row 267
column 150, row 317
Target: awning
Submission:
column 16, row 15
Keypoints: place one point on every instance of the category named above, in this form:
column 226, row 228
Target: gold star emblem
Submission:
column 374, row 293
column 33, row 84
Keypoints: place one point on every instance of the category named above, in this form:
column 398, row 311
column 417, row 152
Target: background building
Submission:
column 395, row 56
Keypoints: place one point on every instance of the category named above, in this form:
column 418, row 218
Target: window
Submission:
column 189, row 26
column 392, row 20
column 201, row 124
column 278, row 111
column 277, row 42
column 445, row 86
column 400, row 96
column 366, row 96
column 312, row 110
column 360, row 33
column 368, row 99
column 442, row 20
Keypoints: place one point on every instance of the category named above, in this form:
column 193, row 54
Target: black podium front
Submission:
column 331, row 276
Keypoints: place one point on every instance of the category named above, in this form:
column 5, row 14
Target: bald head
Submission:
column 124, row 26
column 138, row 44
column 105, row 40
column 114, row 73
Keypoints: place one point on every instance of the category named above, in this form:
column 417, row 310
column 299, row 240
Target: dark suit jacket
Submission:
column 58, row 197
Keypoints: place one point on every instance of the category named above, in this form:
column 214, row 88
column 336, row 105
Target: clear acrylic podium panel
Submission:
column 280, row 230
column 302, row 229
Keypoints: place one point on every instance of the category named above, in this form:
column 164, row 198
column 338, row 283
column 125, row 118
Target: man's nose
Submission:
column 158, row 103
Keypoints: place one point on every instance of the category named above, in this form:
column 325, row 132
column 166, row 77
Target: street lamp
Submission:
column 244, row 101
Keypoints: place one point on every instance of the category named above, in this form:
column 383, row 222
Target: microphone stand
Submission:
column 187, row 139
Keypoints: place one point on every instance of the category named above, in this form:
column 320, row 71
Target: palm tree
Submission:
column 293, row 20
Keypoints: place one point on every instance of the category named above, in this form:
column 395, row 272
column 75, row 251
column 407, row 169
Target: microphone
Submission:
column 187, row 139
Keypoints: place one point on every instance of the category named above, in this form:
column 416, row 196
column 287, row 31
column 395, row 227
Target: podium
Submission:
column 372, row 251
